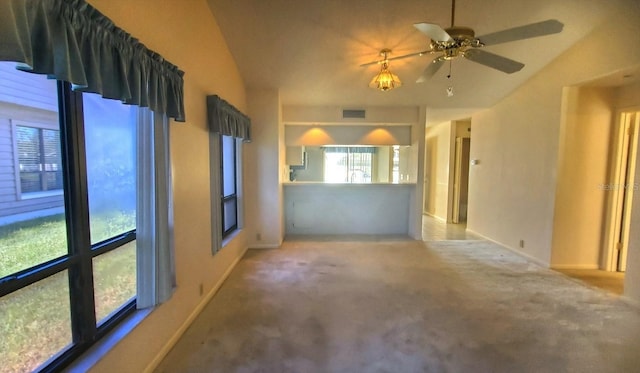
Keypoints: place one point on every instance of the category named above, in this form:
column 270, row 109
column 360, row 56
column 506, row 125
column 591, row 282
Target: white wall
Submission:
column 262, row 163
column 347, row 208
column 583, row 166
column 179, row 31
column 417, row 173
column 438, row 160
column 513, row 189
column 382, row 126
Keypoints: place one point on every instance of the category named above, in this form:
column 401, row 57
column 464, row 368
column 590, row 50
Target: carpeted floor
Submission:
column 399, row 305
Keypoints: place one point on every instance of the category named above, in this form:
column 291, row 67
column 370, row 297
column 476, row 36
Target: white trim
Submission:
column 191, row 318
column 512, row 249
column 101, row 348
column 436, row 217
column 265, row 246
column 230, row 237
column 575, row 266
column 41, row 194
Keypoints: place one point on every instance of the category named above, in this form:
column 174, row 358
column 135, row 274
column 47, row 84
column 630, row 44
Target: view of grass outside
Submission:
column 35, row 321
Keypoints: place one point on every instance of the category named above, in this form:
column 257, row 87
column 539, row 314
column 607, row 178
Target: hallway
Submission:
column 371, row 304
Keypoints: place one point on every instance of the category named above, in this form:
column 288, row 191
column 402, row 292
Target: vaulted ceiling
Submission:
column 311, row 50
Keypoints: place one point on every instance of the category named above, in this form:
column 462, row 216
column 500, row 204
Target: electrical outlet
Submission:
column 201, row 289
column 522, row 244
column 258, row 237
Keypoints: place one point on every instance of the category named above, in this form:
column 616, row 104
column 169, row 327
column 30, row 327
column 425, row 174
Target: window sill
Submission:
column 85, row 362
column 230, row 237
column 49, row 193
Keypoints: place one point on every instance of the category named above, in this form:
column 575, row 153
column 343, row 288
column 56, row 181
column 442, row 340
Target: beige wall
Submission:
column 438, row 154
column 629, row 98
column 513, row 189
column 186, row 34
column 345, row 134
column 583, row 167
column 463, row 128
column 264, row 212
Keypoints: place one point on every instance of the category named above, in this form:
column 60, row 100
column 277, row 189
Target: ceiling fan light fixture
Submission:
column 385, row 80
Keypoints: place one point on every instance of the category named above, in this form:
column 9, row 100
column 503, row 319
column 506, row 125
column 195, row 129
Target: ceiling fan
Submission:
column 459, row 41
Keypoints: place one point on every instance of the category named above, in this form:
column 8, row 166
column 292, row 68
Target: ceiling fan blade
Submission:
column 532, row 30
column 378, row 62
column 494, row 61
column 408, row 55
column 433, row 31
column 431, row 70
column 372, row 63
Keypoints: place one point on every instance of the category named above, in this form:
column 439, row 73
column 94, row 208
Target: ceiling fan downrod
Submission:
column 453, row 12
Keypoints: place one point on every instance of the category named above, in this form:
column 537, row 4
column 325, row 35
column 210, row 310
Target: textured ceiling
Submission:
column 311, row 50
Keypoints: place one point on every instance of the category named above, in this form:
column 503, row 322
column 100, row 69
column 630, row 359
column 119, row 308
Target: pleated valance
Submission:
column 72, row 41
column 225, row 119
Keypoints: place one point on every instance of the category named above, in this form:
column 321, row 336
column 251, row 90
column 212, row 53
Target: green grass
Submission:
column 35, row 321
column 25, row 244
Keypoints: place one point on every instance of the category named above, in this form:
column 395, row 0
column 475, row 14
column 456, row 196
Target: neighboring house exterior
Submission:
column 30, row 159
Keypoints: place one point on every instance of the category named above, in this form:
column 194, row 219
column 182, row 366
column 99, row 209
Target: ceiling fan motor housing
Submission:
column 460, row 33
column 462, row 38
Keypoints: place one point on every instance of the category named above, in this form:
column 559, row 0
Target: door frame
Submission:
column 623, row 164
column 458, row 177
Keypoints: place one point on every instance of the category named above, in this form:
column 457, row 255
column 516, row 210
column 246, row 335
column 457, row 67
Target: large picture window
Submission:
column 68, row 273
column 71, row 260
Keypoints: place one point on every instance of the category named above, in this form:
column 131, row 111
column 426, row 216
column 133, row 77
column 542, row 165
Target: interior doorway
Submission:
column 622, row 191
column 461, row 179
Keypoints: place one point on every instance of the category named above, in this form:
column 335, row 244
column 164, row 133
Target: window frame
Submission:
column 233, row 196
column 20, row 195
column 78, row 261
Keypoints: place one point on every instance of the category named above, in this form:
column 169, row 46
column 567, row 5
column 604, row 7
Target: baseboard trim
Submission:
column 185, row 325
column 264, row 246
column 435, row 216
column 631, row 301
column 575, row 266
column 512, row 249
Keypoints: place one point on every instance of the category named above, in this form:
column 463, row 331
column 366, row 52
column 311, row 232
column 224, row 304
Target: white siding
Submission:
column 27, row 98
column 32, row 90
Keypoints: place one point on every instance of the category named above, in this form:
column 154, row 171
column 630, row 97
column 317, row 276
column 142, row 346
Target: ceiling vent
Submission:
column 353, row 114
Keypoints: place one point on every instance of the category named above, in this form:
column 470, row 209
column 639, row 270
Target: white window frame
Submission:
column 20, row 196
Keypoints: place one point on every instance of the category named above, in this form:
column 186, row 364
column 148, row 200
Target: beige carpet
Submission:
column 609, row 281
column 406, row 306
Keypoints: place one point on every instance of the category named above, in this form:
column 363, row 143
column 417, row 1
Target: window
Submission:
column 228, row 128
column 70, row 261
column 39, row 160
column 352, row 164
column 395, row 165
column 65, row 276
column 229, row 184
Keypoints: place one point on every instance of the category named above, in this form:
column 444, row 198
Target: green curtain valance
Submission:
column 72, row 41
column 225, row 119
